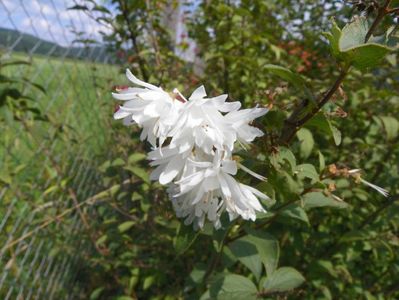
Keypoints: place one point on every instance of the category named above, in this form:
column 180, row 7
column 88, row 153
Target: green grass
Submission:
column 78, row 103
column 37, row 158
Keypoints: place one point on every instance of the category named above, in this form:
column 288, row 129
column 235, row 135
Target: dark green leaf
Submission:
column 246, row 252
column 232, row 287
column 185, row 237
column 318, row 199
column 268, row 248
column 283, row 279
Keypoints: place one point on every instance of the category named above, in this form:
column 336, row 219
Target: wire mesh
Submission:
column 38, row 250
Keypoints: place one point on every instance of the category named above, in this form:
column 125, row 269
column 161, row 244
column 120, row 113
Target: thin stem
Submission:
column 133, row 38
column 382, row 12
column 295, row 122
column 292, row 124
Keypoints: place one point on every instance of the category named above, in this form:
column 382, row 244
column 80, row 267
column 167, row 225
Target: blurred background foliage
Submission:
column 326, row 236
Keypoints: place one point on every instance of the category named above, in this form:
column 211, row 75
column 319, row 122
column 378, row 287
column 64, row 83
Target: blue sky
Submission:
column 48, row 19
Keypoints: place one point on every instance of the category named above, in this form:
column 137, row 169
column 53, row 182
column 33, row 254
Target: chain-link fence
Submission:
column 49, row 166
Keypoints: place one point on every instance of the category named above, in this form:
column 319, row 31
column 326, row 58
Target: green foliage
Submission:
column 322, row 224
column 350, row 46
column 284, row 279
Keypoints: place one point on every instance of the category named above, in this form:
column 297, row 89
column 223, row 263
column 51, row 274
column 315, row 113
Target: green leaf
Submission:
column 318, row 199
column 197, row 274
column 148, row 282
column 350, row 47
column 125, row 226
column 135, row 157
column 232, row 287
column 96, row 293
column 353, row 34
column 6, row 178
column 118, row 162
column 294, row 211
column 336, row 135
column 185, row 237
column 246, row 252
column 322, row 162
column 286, row 74
column 139, row 172
column 268, row 248
column 305, row 137
column 101, row 240
column 284, row 279
column 391, row 126
column 322, row 124
column 367, row 56
column 283, row 155
column 289, row 76
column 308, row 171
column 333, row 38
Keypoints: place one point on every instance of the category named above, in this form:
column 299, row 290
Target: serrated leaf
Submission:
column 284, row 279
column 232, row 287
column 318, row 199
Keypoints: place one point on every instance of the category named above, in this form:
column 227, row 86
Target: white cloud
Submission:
column 50, row 20
column 41, row 8
column 9, row 5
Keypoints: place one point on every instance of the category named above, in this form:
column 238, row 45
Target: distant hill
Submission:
column 24, row 42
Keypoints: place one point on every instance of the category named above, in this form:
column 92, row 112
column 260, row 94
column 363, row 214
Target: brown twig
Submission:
column 133, row 37
column 295, row 122
column 382, row 12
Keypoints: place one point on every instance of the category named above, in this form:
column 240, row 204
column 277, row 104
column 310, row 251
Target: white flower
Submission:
column 240, row 120
column 203, row 125
column 169, row 163
column 197, row 161
column 153, row 109
column 209, row 188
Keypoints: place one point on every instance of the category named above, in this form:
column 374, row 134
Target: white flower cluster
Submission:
column 193, row 142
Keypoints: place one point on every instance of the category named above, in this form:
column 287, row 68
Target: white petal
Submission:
column 121, row 113
column 137, row 81
column 250, row 172
column 199, row 93
column 172, row 169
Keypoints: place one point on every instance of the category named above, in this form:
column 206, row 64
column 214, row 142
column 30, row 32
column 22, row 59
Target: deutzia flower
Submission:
column 208, row 188
column 153, row 109
column 197, row 163
column 203, row 125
